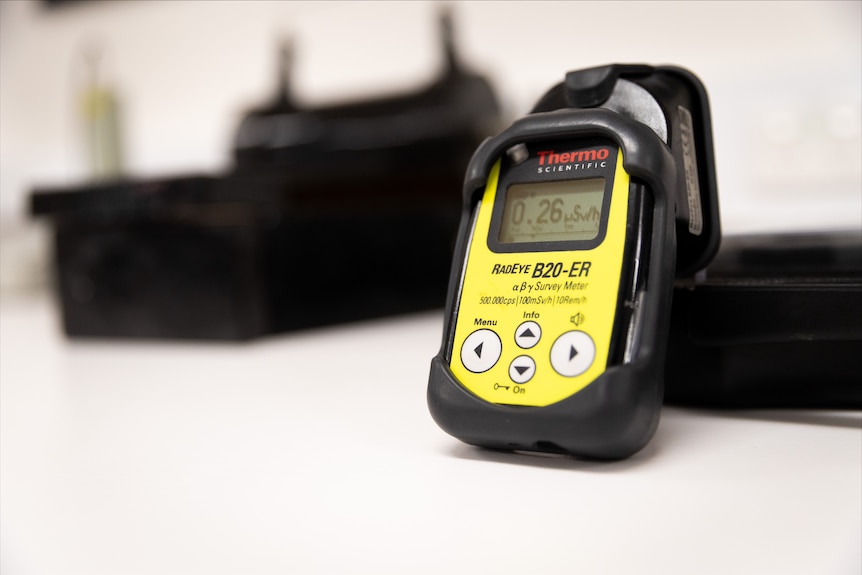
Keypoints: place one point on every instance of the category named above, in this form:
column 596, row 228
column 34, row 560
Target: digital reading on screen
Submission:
column 568, row 210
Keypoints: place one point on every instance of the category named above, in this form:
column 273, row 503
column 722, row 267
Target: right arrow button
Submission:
column 573, row 353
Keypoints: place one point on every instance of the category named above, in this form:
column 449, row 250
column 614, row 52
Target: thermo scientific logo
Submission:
column 551, row 161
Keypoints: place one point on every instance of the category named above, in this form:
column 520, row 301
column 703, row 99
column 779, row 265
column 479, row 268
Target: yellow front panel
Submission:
column 535, row 327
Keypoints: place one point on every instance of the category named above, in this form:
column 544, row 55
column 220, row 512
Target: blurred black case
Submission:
column 775, row 322
column 329, row 215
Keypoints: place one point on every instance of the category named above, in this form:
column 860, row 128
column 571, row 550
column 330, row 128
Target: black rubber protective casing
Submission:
column 617, row 414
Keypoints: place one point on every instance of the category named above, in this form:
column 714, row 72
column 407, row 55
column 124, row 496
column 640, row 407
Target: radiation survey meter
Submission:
column 577, row 220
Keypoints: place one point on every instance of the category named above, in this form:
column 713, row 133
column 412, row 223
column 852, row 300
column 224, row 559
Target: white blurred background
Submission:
column 168, row 458
column 785, row 81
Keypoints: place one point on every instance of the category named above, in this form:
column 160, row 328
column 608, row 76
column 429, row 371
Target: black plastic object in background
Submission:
column 173, row 258
column 775, row 322
column 329, row 215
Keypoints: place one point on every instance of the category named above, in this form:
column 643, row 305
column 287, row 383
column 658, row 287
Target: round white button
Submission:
column 573, row 353
column 481, row 350
column 522, row 369
column 528, row 334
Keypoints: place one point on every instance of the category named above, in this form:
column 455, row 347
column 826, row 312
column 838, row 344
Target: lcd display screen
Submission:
column 562, row 211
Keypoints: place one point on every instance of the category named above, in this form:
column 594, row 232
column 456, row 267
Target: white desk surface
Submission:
column 313, row 452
